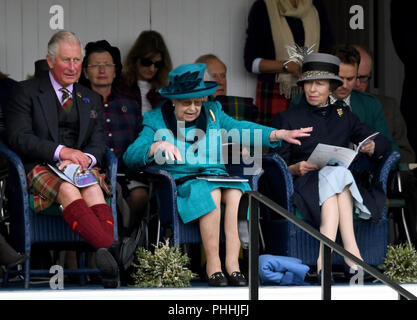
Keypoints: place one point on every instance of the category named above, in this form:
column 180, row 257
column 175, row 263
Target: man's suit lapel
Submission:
column 84, row 110
column 48, row 102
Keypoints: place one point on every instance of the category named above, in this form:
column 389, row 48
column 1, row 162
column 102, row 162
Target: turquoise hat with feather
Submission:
column 187, row 81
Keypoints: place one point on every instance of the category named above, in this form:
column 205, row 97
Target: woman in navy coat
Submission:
column 184, row 137
column 326, row 198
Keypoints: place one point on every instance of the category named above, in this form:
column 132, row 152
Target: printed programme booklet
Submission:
column 325, row 154
column 72, row 173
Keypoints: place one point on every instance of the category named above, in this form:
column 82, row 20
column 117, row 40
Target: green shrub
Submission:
column 400, row 263
column 166, row 267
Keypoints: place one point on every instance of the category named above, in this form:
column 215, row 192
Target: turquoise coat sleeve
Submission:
column 245, row 130
column 136, row 155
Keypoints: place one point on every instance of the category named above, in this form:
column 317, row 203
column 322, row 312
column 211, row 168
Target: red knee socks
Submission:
column 105, row 216
column 82, row 220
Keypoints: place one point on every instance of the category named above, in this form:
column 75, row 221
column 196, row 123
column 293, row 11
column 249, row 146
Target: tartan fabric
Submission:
column 122, row 122
column 66, row 102
column 44, row 185
column 269, row 102
column 239, row 108
column 133, row 93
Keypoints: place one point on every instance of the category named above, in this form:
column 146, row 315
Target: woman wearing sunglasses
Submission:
column 145, row 70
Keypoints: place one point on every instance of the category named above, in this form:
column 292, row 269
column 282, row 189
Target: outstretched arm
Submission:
column 290, row 135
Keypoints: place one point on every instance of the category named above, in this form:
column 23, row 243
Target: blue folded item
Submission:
column 281, row 270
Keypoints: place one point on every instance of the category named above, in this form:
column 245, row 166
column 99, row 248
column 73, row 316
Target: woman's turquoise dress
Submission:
column 201, row 157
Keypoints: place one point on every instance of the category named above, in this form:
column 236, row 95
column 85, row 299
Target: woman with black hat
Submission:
column 169, row 139
column 327, row 197
column 101, row 70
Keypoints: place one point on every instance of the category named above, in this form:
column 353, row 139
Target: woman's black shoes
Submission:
column 237, row 279
column 217, row 279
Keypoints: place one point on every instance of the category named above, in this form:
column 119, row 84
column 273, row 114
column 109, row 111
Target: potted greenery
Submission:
column 400, row 264
column 166, row 267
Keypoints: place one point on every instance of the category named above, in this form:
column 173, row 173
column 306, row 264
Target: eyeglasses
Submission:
column 148, row 62
column 364, row 79
column 188, row 102
column 107, row 66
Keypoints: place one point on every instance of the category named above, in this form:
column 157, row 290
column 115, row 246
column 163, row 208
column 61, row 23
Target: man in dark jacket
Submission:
column 398, row 129
column 53, row 119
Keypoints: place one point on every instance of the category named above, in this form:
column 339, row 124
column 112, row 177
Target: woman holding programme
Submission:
column 327, row 197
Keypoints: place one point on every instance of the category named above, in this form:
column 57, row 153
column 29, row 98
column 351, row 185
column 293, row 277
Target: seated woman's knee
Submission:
column 231, row 195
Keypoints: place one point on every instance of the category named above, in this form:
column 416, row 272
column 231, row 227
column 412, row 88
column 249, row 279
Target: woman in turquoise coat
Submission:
column 184, row 136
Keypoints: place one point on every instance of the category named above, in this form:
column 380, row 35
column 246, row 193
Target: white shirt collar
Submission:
column 346, row 100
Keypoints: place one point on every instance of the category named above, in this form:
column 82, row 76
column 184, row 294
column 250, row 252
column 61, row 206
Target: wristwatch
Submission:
column 285, row 65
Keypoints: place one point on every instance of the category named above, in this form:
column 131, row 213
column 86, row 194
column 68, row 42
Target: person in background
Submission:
column 8, row 256
column 398, row 131
column 364, row 69
column 393, row 116
column 402, row 23
column 216, row 71
column 273, row 25
column 240, row 108
column 54, row 119
column 122, row 123
column 197, row 198
column 6, row 86
column 145, row 70
column 364, row 105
